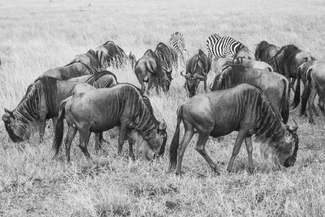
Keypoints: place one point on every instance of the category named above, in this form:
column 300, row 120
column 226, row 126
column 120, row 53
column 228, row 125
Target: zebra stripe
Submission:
column 224, row 46
column 212, row 39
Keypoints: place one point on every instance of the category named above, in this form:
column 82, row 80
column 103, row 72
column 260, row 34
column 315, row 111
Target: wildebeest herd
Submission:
column 250, row 95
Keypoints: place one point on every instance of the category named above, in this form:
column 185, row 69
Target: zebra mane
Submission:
column 92, row 80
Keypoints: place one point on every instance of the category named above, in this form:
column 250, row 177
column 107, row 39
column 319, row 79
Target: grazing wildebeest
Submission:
column 252, row 64
column 102, row 109
column 148, row 69
column 102, row 79
column 41, row 102
column 82, row 64
column 287, row 60
column 265, row 51
column 110, row 54
column 315, row 84
column 243, row 108
column 197, row 68
column 178, row 43
column 274, row 86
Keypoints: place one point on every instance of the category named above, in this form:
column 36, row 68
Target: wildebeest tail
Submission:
column 175, row 142
column 285, row 102
column 58, row 136
column 306, row 93
column 296, row 98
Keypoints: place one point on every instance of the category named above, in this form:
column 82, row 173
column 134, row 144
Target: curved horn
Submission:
column 5, row 117
column 293, row 128
column 162, row 125
column 201, row 77
column 187, row 75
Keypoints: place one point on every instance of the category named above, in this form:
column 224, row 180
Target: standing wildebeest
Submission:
column 82, row 64
column 168, row 58
column 315, row 84
column 243, row 108
column 287, row 60
column 197, row 68
column 148, row 69
column 102, row 109
column 274, row 86
column 254, row 64
column 41, row 102
column 110, row 54
column 265, row 51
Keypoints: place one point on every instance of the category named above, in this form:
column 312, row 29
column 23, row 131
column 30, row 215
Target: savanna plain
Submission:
column 36, row 35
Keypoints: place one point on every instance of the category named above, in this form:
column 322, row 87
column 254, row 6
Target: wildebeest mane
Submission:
column 28, row 108
column 231, row 77
column 268, row 126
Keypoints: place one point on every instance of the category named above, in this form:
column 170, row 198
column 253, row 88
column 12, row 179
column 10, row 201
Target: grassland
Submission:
column 36, row 35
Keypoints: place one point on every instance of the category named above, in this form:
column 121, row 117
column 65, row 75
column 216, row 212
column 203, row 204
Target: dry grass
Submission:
column 37, row 35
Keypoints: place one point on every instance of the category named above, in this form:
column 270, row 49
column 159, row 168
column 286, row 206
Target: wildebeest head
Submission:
column 153, row 145
column 192, row 82
column 245, row 53
column 166, row 79
column 16, row 129
column 283, row 149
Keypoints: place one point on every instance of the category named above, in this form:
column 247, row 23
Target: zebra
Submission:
column 177, row 42
column 212, row 39
column 223, row 46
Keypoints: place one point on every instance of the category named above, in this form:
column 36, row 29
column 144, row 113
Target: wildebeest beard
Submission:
column 27, row 110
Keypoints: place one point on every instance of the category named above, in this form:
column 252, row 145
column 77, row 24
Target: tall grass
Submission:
column 37, row 35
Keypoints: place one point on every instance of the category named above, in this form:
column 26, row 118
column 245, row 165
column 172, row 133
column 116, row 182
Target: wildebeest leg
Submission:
column 205, row 85
column 239, row 140
column 42, row 127
column 68, row 140
column 54, row 120
column 131, row 154
column 249, row 148
column 189, row 132
column 321, row 101
column 84, row 135
column 98, row 140
column 121, row 138
column 200, row 147
column 311, row 105
column 293, row 80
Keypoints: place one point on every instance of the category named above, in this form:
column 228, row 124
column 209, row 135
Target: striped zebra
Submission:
column 212, row 39
column 178, row 43
column 224, row 46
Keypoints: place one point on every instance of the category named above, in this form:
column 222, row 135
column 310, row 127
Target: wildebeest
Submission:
column 243, row 108
column 41, row 102
column 102, row 79
column 110, row 54
column 265, row 51
column 82, row 64
column 148, row 69
column 315, row 84
column 102, row 109
column 197, row 68
column 287, row 60
column 168, row 57
column 274, row 86
column 252, row 64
